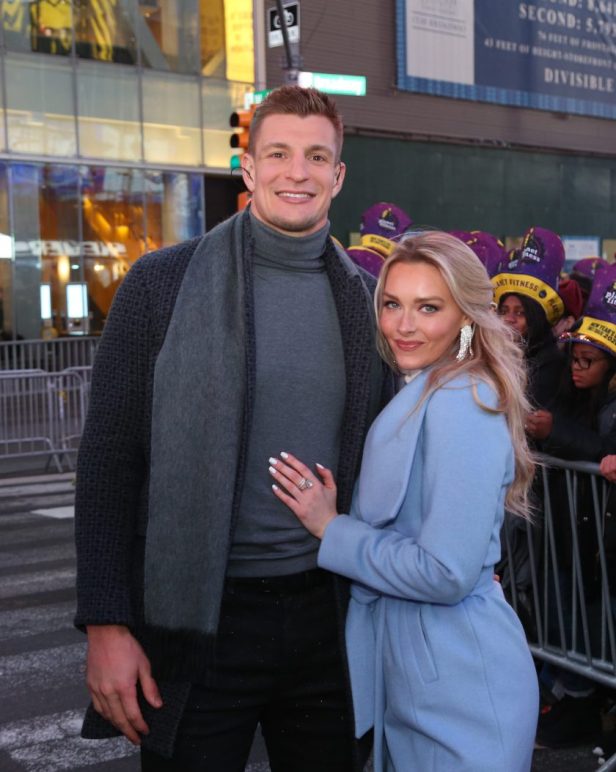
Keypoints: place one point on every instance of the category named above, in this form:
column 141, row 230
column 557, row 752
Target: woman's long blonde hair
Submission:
column 497, row 358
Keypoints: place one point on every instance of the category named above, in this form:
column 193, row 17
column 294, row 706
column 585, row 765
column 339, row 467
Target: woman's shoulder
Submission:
column 467, row 388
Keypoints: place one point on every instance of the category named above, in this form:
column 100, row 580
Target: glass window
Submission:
column 239, row 37
column 220, row 99
column 113, row 233
column 174, row 207
column 45, row 224
column 6, row 260
column 2, row 122
column 171, row 130
column 51, row 26
column 59, row 245
column 168, row 34
column 16, row 25
column 226, row 37
column 105, row 30
column 26, row 180
column 108, row 99
column 40, row 106
column 212, row 38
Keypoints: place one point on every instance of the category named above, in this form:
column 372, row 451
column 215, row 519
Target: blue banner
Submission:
column 557, row 55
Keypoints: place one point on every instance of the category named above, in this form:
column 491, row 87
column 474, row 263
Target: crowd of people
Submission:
column 293, row 477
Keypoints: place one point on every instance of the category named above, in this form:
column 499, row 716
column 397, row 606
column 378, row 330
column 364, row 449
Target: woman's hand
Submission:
column 539, row 424
column 312, row 501
column 607, row 467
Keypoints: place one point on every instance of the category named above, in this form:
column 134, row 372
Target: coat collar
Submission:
column 389, row 453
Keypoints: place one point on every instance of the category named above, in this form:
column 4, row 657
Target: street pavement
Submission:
column 42, row 692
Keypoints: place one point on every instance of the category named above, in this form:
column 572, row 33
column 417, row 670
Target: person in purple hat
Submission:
column 490, row 250
column 526, row 293
column 581, row 426
column 584, row 273
column 381, row 226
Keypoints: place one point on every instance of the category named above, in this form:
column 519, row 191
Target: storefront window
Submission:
column 51, row 26
column 26, row 180
column 59, row 246
column 212, row 38
column 6, row 260
column 113, row 233
column 40, row 105
column 168, row 34
column 46, row 247
column 174, row 207
column 108, row 112
column 220, row 99
column 105, row 30
column 16, row 25
column 171, row 129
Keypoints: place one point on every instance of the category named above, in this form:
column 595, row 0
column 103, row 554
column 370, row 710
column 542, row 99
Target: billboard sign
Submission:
column 557, row 55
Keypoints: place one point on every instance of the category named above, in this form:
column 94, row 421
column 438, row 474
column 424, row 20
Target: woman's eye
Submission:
column 391, row 304
column 429, row 309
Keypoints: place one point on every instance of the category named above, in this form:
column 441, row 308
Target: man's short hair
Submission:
column 295, row 100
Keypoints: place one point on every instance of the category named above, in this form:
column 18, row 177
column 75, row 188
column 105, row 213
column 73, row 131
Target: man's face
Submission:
column 293, row 173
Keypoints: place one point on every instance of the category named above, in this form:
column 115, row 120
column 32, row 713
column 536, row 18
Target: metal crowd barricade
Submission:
column 52, row 355
column 42, row 414
column 559, row 572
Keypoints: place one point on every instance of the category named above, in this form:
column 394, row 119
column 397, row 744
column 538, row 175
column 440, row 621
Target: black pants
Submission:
column 277, row 663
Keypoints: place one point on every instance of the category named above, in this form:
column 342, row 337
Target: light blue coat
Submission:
column 439, row 663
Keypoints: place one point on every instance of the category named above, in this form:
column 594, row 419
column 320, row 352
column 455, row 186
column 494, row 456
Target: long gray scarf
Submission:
column 197, row 421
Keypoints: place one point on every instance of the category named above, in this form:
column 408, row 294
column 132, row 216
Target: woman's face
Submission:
column 419, row 317
column 512, row 311
column 589, row 365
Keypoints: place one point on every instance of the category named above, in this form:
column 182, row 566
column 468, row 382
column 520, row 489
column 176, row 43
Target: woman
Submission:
column 544, row 361
column 439, row 664
column 527, row 296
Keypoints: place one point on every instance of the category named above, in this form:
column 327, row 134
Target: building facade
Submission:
column 113, row 135
column 454, row 163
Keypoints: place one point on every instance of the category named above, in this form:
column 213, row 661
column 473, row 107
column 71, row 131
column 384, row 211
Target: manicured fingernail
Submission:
column 284, row 455
column 275, row 487
column 272, row 470
column 273, row 461
column 320, row 465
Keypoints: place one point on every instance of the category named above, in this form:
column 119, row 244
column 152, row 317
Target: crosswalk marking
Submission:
column 59, row 513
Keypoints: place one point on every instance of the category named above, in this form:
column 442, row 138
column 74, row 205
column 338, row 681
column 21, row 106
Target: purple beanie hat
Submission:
column 598, row 325
column 384, row 219
column 589, row 266
column 536, row 273
column 490, row 250
column 368, row 259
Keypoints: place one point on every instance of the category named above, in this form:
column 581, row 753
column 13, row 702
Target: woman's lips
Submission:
column 408, row 345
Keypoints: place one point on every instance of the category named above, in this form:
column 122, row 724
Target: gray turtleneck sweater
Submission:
column 299, row 396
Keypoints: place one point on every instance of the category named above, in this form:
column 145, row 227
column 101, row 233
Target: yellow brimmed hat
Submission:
column 598, row 325
column 536, row 272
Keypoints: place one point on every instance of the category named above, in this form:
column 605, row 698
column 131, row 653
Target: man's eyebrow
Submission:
column 311, row 149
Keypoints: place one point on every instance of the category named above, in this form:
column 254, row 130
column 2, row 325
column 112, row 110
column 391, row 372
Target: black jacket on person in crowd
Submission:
column 114, row 464
column 584, row 429
column 545, row 363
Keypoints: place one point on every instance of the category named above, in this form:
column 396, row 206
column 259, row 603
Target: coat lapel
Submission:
column 388, row 455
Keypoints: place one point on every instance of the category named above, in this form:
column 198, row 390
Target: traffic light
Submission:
column 240, row 119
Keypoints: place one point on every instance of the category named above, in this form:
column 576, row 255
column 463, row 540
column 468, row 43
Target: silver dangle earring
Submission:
column 466, row 337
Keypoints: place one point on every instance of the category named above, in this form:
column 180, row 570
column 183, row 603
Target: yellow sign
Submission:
column 239, row 38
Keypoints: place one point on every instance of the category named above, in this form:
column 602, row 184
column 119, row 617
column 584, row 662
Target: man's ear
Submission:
column 339, row 175
column 247, row 172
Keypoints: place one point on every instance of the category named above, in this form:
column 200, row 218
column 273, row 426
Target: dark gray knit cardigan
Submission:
column 113, row 463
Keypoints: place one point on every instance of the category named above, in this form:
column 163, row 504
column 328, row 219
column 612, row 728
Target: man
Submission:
column 204, row 609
